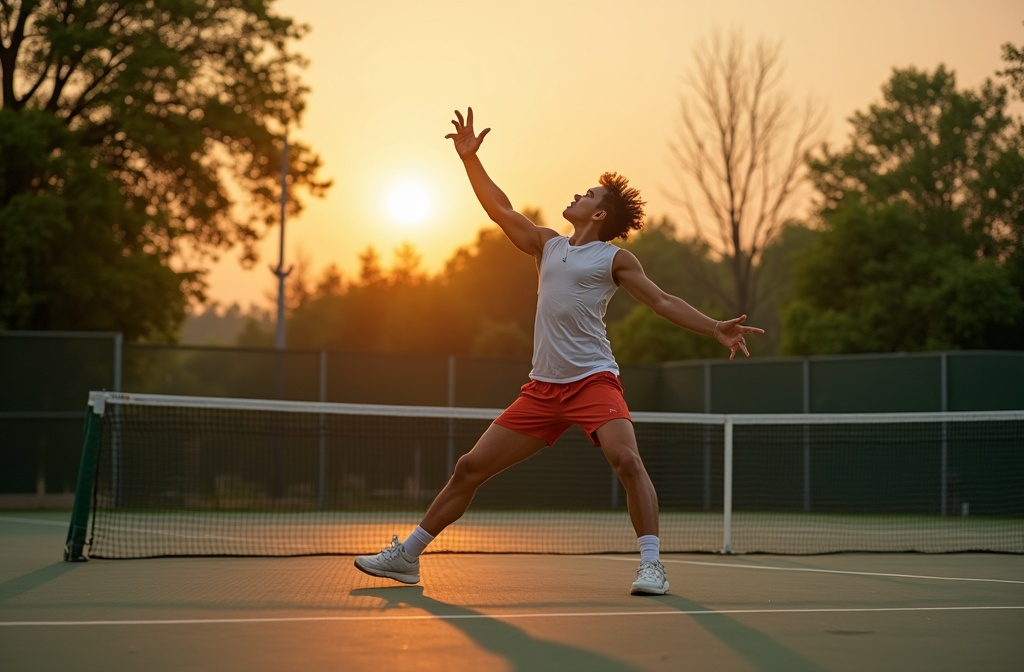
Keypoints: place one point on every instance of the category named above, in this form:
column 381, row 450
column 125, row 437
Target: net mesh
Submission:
column 202, row 477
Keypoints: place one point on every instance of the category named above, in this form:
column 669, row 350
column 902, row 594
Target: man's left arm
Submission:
column 629, row 275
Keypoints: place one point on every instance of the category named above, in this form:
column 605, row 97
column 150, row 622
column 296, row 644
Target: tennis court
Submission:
column 859, row 611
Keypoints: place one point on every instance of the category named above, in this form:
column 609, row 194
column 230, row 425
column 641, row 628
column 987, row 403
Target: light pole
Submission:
column 280, row 272
column 277, row 479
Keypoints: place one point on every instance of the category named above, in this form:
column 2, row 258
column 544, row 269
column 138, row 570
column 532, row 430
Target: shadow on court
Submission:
column 759, row 649
column 842, row 613
column 522, row 651
column 14, row 587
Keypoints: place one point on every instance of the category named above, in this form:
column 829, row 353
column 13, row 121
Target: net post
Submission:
column 707, row 438
column 807, row 435
column 450, row 459
column 74, row 547
column 118, row 360
column 727, row 492
column 321, row 476
column 944, row 449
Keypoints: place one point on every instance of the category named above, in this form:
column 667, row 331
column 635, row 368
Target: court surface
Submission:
column 504, row 612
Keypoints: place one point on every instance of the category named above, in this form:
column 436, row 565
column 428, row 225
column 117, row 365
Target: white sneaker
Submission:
column 650, row 579
column 391, row 563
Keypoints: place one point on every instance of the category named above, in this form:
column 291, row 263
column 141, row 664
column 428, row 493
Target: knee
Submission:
column 467, row 471
column 628, row 465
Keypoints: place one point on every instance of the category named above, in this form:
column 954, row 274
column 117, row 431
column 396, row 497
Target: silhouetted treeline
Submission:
column 482, row 303
column 916, row 243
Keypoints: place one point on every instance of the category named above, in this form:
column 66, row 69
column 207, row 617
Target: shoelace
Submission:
column 650, row 571
column 393, row 550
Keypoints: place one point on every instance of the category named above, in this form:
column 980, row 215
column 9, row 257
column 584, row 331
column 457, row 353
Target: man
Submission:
column 575, row 377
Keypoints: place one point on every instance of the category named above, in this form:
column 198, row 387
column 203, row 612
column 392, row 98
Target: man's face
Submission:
column 584, row 206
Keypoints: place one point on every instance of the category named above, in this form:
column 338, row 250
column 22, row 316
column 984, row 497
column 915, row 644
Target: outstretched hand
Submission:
column 466, row 142
column 730, row 334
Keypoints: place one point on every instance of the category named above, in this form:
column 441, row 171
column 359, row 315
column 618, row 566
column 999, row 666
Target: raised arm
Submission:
column 629, row 274
column 523, row 233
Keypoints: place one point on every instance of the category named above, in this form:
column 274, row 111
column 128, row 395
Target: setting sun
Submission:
column 379, row 126
column 408, row 203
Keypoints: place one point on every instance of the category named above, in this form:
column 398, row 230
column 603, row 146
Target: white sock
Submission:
column 649, row 545
column 416, row 542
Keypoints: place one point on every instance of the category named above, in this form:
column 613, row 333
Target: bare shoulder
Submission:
column 546, row 234
column 626, row 269
column 543, row 234
column 625, row 261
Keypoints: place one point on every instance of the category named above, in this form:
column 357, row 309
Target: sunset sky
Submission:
column 570, row 89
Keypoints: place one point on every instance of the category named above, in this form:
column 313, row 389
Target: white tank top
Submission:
column 570, row 340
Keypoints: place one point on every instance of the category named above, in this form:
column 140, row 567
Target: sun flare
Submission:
column 409, row 203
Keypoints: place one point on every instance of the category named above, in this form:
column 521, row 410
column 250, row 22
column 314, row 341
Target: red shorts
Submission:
column 545, row 410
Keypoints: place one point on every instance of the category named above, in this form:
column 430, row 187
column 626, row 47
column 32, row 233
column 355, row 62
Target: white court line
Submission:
column 507, row 617
column 821, row 571
column 8, row 519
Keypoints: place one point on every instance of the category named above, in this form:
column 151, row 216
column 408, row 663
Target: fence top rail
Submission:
column 61, row 334
column 99, row 400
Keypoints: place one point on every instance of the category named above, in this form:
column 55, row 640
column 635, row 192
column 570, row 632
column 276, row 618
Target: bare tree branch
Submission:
column 740, row 148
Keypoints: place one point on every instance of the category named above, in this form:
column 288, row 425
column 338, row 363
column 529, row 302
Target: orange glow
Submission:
column 570, row 89
column 409, row 203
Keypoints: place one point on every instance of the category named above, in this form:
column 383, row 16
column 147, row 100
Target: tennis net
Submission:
column 192, row 476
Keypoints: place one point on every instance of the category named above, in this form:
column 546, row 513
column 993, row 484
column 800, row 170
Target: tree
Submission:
column 1014, row 58
column 637, row 334
column 872, row 282
column 491, row 283
column 370, row 270
column 644, row 337
column 921, row 226
column 501, row 339
column 124, row 129
column 1010, row 172
column 406, row 269
column 481, row 304
column 670, row 261
column 218, row 324
column 741, row 147
column 394, row 310
column 776, row 266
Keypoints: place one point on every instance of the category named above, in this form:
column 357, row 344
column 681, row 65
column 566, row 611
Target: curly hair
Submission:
column 623, row 205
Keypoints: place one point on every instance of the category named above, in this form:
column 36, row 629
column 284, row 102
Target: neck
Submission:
column 584, row 235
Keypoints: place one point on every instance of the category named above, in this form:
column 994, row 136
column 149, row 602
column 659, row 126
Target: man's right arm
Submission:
column 523, row 233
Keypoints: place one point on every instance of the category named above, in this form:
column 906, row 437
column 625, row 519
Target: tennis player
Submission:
column 575, row 377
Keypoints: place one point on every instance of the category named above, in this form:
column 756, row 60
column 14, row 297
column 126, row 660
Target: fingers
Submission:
column 465, row 125
column 738, row 322
column 459, row 125
column 741, row 346
column 466, row 122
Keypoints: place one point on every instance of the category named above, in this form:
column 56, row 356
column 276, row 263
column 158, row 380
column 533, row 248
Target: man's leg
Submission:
column 497, row 449
column 618, row 442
